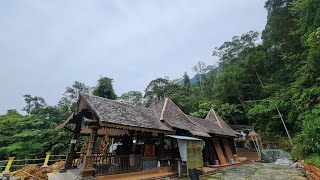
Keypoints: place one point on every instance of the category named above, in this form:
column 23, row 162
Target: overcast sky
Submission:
column 47, row 45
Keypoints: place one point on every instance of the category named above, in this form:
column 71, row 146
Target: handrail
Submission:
column 25, row 162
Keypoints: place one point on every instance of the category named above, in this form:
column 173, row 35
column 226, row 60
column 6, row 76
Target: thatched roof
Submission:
column 163, row 116
column 214, row 124
column 119, row 113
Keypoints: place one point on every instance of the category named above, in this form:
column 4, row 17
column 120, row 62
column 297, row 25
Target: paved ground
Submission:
column 252, row 171
column 258, row 171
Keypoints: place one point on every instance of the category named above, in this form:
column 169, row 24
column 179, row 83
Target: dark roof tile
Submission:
column 110, row 111
column 213, row 123
column 162, row 115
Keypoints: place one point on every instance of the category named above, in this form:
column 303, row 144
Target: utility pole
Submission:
column 284, row 124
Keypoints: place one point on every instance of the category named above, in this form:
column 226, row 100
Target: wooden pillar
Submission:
column 88, row 168
column 72, row 146
column 161, row 145
column 227, row 148
column 218, row 149
column 172, row 145
column 131, row 133
column 71, row 152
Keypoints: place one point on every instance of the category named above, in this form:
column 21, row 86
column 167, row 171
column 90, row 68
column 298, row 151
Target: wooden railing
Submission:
column 312, row 172
column 114, row 164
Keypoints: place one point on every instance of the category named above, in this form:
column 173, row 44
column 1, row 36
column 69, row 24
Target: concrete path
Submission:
column 252, row 171
column 258, row 171
column 62, row 176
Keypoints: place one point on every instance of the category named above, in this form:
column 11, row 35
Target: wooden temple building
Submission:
column 121, row 138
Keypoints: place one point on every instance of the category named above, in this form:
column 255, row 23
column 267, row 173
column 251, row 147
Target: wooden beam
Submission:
column 218, row 149
column 69, row 129
column 227, row 148
column 163, row 109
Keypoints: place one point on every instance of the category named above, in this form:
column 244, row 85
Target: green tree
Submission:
column 72, row 92
column 67, row 103
column 307, row 14
column 203, row 109
column 201, row 68
column 234, row 51
column 104, row 88
column 33, row 104
column 309, row 139
column 156, row 90
column 186, row 83
column 132, row 97
column 29, row 136
column 209, row 84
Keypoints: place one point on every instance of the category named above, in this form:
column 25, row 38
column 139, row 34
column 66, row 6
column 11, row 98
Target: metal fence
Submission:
column 20, row 163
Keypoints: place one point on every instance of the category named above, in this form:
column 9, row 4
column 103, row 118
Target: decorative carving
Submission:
column 85, row 147
column 89, row 162
column 104, row 144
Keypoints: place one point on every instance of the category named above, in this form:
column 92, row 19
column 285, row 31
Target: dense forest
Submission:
column 280, row 65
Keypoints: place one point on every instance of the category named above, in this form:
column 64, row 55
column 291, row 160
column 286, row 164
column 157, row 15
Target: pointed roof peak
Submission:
column 213, row 116
column 211, row 109
column 170, row 113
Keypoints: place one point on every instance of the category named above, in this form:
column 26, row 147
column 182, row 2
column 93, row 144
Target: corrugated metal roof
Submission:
column 185, row 137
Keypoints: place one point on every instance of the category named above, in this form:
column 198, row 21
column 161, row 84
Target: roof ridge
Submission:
column 120, row 102
column 215, row 115
column 208, row 113
column 156, row 115
column 195, row 117
column 163, row 109
column 182, row 112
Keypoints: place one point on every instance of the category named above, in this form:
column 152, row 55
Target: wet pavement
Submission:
column 259, row 171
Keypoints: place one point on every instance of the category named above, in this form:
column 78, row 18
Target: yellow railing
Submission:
column 11, row 162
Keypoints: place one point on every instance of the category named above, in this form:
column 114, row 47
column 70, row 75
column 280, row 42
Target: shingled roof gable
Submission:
column 176, row 118
column 216, row 124
column 212, row 127
column 215, row 117
column 110, row 111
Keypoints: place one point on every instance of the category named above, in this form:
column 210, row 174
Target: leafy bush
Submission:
column 314, row 160
column 309, row 138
